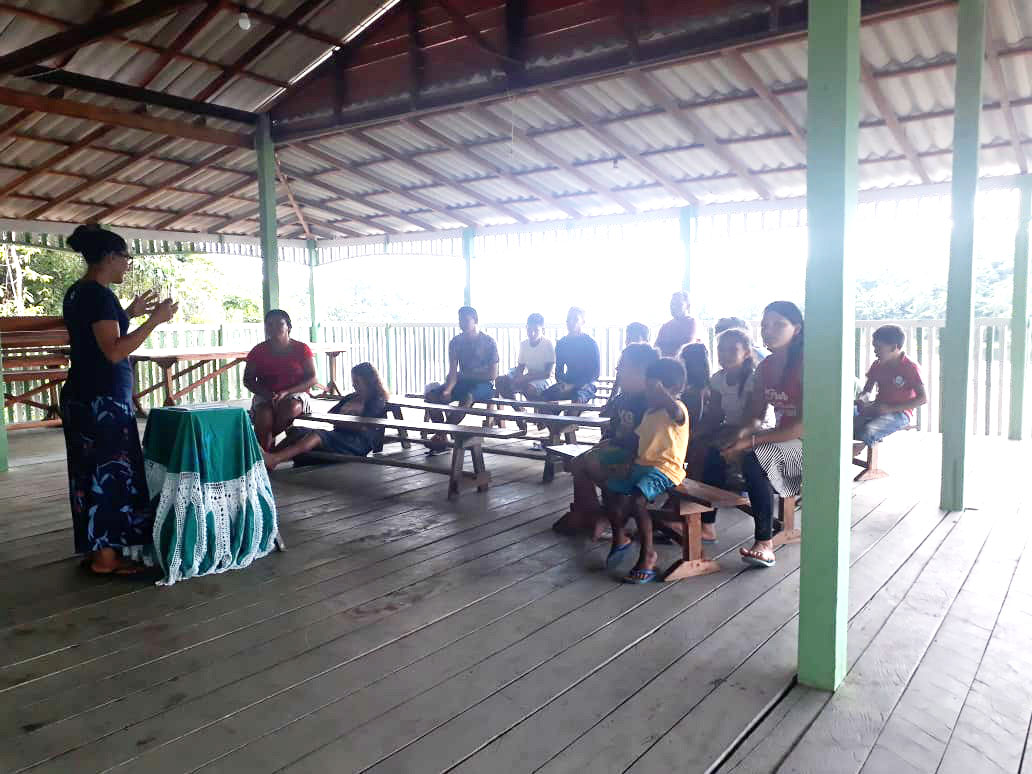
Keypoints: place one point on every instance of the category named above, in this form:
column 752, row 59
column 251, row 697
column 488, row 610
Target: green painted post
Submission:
column 956, row 339
column 3, row 426
column 1019, row 315
column 687, row 220
column 267, row 212
column 828, row 359
column 467, row 257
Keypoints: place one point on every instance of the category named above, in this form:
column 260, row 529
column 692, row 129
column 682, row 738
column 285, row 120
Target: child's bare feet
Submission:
column 272, row 461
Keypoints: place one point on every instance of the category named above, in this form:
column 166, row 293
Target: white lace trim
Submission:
column 226, row 501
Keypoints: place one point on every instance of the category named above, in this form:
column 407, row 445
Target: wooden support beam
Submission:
column 515, row 36
column 484, row 116
column 348, row 168
column 828, row 359
column 345, row 216
column 993, row 51
column 632, row 155
column 266, row 153
column 387, row 150
column 740, row 65
column 183, row 39
column 198, row 208
column 698, row 130
column 957, row 335
column 417, row 61
column 470, row 31
column 533, row 189
column 80, row 35
column 1019, row 314
column 86, row 83
column 104, row 115
column 630, row 23
column 293, row 202
column 892, row 121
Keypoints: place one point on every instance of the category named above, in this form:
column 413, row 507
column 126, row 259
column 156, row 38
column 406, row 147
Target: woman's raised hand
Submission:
column 145, row 303
column 164, row 311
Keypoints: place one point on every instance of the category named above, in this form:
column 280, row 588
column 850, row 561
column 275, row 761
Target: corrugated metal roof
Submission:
column 910, row 55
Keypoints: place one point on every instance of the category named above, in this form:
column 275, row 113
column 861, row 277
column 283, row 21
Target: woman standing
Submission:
column 111, row 513
column 773, row 459
column 279, row 372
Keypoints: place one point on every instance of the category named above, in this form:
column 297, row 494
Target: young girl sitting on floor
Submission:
column 368, row 400
column 658, row 466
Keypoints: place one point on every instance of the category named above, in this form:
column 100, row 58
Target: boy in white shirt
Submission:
column 533, row 372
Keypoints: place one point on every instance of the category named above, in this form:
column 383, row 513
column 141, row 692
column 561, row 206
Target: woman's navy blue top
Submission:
column 91, row 374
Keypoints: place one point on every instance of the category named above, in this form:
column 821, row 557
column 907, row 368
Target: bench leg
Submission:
column 402, row 434
column 279, row 544
column 789, row 533
column 481, row 476
column 548, row 474
column 458, row 458
column 693, row 562
column 871, row 471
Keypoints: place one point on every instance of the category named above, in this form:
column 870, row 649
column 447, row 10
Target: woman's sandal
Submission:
column 758, row 558
column 639, row 576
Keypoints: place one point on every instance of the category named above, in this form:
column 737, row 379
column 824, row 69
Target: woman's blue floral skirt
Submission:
column 107, row 486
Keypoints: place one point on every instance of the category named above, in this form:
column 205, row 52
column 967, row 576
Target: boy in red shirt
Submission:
column 900, row 389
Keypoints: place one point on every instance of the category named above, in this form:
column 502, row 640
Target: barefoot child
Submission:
column 368, row 400
column 612, row 457
column 900, row 389
column 658, row 466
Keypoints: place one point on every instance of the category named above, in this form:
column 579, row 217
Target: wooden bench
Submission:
column 34, row 349
column 683, row 510
column 561, row 428
column 465, row 438
column 871, row 471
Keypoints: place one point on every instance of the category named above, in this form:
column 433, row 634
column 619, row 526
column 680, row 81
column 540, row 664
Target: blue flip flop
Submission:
column 616, row 554
column 757, row 561
column 640, row 577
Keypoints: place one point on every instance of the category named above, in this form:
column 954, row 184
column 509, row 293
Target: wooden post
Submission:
column 957, row 335
column 267, row 212
column 313, row 258
column 3, row 421
column 467, row 256
column 1019, row 315
column 224, row 378
column 687, row 219
column 828, row 360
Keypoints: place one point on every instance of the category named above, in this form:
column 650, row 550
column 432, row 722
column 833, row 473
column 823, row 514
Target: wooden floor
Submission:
column 404, row 633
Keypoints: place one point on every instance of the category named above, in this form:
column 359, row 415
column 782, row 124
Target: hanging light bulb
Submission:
column 244, row 21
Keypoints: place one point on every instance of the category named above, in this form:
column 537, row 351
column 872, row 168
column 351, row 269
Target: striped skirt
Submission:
column 783, row 464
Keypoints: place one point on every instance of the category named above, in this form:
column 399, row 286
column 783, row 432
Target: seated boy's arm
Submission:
column 660, row 399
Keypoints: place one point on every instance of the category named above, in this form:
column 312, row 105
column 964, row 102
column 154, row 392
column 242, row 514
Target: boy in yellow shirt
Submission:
column 658, row 466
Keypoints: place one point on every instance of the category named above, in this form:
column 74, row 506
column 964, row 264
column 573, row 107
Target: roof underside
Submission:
column 451, row 113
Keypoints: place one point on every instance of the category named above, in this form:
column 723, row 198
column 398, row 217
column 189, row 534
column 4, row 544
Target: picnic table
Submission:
column 465, row 438
column 177, row 363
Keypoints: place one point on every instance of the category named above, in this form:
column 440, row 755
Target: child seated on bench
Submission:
column 613, row 456
column 658, row 466
column 636, row 333
column 533, row 372
column 900, row 389
column 368, row 400
column 695, row 359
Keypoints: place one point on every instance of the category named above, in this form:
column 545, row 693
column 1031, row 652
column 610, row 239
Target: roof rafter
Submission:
column 993, row 55
column 293, row 201
column 892, row 122
column 504, row 209
column 79, row 35
column 533, row 188
column 741, row 66
column 634, row 157
column 210, row 199
column 658, row 94
column 470, row 31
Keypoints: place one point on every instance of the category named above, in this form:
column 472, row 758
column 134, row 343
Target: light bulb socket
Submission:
column 244, row 21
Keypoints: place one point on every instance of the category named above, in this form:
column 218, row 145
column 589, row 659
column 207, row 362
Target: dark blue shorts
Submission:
column 582, row 393
column 466, row 388
column 344, row 442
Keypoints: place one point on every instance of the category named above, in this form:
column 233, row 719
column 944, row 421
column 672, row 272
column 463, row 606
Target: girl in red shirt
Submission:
column 279, row 372
column 772, row 460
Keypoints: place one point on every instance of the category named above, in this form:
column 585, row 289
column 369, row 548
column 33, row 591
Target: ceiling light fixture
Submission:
column 244, row 21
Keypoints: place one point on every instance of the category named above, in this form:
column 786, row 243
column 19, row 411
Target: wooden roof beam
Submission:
column 470, row 31
column 532, row 188
column 348, row 168
column 747, row 73
column 993, row 55
column 658, row 94
column 210, row 199
column 633, row 156
column 346, row 217
column 504, row 209
column 293, row 201
column 498, row 125
column 79, row 35
column 104, row 115
column 892, row 122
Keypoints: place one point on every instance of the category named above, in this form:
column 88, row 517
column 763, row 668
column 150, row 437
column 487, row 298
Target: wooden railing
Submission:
column 410, row 355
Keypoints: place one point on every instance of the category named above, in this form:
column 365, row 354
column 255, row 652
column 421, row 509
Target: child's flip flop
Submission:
column 616, row 554
column 639, row 576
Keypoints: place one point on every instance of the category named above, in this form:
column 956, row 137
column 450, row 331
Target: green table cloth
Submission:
column 213, row 503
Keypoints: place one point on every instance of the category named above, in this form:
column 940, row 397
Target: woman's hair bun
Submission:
column 94, row 242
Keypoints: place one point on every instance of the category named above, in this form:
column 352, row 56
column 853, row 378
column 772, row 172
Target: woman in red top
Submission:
column 279, row 372
column 772, row 460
